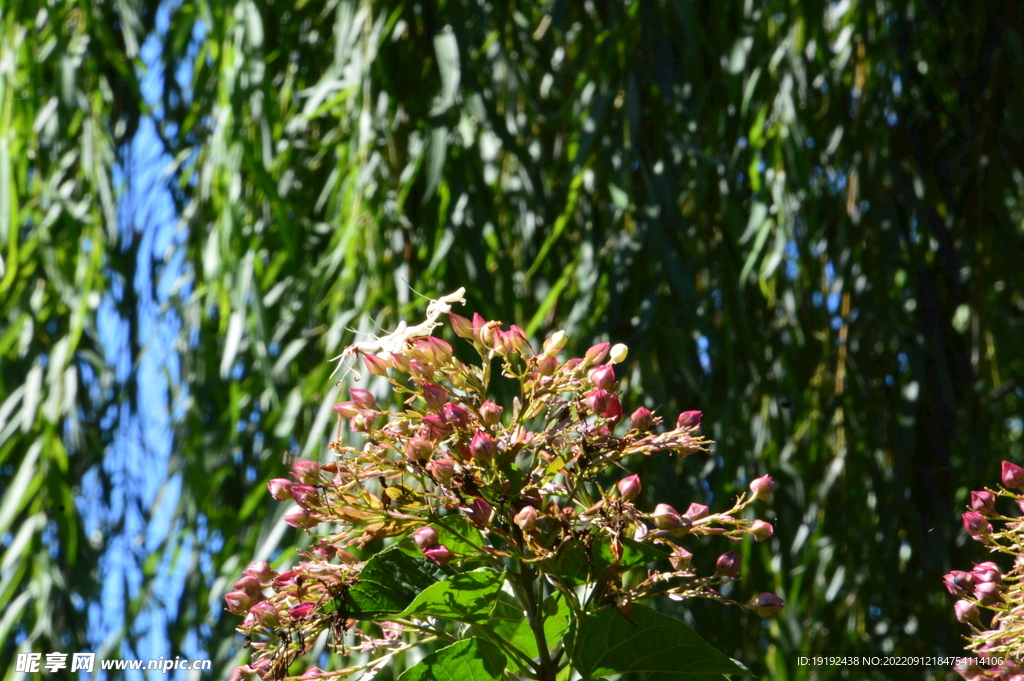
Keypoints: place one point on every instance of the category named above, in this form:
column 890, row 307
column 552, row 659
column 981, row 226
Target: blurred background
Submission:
column 806, row 219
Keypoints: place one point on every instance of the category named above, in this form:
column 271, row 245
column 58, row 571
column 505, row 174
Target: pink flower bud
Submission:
column 438, row 426
column 400, row 362
column 727, row 565
column 966, row 612
column 987, row 593
column 761, row 530
column 462, row 327
column 479, row 323
column 490, row 412
column 438, row 555
column 440, row 350
column 642, row 419
column 666, row 518
column 479, row 513
column 762, row 487
column 425, row 537
column 420, row 370
column 243, row 673
column 526, row 519
column 766, row 605
column 418, row 449
column 280, row 489
column 376, row 365
column 266, row 614
column 983, row 502
column 696, row 512
column 434, row 395
column 613, row 413
column 1013, row 476
column 596, row 354
column 958, row 582
column 517, row 338
column 602, row 377
column 547, row 366
column 688, row 419
column 442, row 469
column 363, row 399
column 252, row 588
column 306, row 472
column 237, row 602
column 629, row 488
column 346, row 410
column 987, row 572
column 680, row 558
column 301, row 519
column 306, row 496
column 456, row 415
column 301, row 611
column 261, row 570
column 976, row 525
column 325, row 552
column 597, row 400
column 482, row 446
column 285, row 580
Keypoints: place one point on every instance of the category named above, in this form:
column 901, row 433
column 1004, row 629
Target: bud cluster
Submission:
column 530, row 479
column 991, row 600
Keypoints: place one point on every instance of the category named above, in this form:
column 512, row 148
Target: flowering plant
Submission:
column 991, row 602
column 511, row 553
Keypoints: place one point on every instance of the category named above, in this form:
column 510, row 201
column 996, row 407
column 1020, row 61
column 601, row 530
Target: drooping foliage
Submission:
column 803, row 217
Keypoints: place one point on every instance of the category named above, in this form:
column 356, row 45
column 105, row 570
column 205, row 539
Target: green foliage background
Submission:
column 829, row 194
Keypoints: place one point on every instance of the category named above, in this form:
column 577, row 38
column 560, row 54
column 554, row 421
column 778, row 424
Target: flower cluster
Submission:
column 991, row 601
column 528, row 489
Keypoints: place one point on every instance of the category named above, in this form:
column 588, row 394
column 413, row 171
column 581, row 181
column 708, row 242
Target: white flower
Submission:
column 396, row 340
column 618, row 353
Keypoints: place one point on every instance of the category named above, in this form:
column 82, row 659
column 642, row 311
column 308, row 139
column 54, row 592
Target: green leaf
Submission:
column 508, row 622
column 472, row 659
column 576, row 567
column 607, row 642
column 467, row 597
column 458, row 535
column 389, row 583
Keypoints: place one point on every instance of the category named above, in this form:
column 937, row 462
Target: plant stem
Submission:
column 523, row 583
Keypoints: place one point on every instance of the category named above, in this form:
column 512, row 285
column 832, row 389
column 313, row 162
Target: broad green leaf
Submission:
column 608, row 642
column 508, row 621
column 389, row 582
column 467, row 597
column 472, row 659
column 458, row 535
